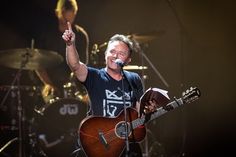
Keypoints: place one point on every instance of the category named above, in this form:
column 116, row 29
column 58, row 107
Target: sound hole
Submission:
column 121, row 131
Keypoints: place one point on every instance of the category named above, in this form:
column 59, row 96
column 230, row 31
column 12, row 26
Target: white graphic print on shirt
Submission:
column 113, row 101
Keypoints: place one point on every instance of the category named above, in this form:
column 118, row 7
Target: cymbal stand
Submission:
column 146, row 154
column 25, row 59
column 154, row 68
column 83, row 31
column 21, row 117
column 7, row 144
column 143, row 56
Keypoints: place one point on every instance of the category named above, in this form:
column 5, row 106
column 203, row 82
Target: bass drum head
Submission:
column 57, row 128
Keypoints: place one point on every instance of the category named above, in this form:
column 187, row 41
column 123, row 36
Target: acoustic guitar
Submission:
column 105, row 137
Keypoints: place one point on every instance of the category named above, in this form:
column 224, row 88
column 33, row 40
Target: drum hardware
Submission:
column 71, row 91
column 34, row 58
column 20, row 108
column 8, row 127
column 80, row 96
column 69, row 88
column 135, row 67
column 25, row 59
column 35, row 149
column 30, row 89
column 40, row 110
column 8, row 143
column 145, row 37
column 22, row 87
column 140, row 38
column 59, row 124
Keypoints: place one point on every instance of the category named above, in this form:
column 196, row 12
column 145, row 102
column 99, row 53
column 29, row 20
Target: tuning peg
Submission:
column 191, row 88
column 187, row 91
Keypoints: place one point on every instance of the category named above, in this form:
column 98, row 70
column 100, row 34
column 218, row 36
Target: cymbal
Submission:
column 29, row 59
column 140, row 38
column 134, row 67
column 143, row 38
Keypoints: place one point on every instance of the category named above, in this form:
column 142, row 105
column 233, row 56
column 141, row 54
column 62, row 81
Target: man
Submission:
column 56, row 138
column 54, row 78
column 106, row 86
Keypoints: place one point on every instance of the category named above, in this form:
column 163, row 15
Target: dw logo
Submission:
column 70, row 109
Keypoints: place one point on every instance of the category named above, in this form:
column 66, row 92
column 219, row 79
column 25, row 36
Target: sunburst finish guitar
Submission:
column 105, row 137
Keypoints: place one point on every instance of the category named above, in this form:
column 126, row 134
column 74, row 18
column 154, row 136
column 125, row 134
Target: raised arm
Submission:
column 72, row 57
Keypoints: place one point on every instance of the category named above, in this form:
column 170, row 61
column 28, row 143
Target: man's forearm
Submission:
column 72, row 57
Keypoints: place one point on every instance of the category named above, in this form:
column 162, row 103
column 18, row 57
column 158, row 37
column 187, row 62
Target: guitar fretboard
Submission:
column 160, row 111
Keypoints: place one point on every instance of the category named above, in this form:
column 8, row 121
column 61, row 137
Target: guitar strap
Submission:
column 134, row 88
column 137, row 94
column 127, row 76
column 134, row 85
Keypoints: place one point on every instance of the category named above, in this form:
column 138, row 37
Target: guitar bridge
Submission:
column 102, row 139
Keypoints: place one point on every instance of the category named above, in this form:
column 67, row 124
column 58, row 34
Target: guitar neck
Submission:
column 160, row 111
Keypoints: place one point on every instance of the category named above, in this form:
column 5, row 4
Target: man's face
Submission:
column 116, row 50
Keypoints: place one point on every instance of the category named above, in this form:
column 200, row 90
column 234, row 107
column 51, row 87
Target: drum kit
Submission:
column 60, row 115
column 54, row 123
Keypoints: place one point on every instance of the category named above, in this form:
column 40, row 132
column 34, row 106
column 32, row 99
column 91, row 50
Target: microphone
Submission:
column 120, row 63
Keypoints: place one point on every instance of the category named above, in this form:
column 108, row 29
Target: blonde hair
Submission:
column 66, row 5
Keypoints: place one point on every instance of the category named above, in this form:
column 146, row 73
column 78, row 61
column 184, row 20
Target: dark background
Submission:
column 195, row 46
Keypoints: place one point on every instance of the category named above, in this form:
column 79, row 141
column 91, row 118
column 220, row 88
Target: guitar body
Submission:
column 99, row 136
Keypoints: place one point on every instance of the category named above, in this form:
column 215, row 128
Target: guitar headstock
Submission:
column 191, row 94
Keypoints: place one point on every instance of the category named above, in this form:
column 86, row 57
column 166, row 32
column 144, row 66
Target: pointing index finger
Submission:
column 69, row 26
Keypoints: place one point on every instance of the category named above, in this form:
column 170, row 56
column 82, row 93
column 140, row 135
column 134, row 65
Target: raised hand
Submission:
column 69, row 36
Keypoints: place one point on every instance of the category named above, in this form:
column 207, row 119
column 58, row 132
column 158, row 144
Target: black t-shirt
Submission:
column 106, row 93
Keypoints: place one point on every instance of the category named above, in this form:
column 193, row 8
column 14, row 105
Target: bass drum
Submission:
column 58, row 125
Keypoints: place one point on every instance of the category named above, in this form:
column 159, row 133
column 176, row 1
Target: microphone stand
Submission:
column 125, row 113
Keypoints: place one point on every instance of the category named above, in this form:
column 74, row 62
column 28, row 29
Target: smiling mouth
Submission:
column 113, row 61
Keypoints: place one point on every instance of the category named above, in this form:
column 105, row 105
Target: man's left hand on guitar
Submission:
column 147, row 108
column 150, row 107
